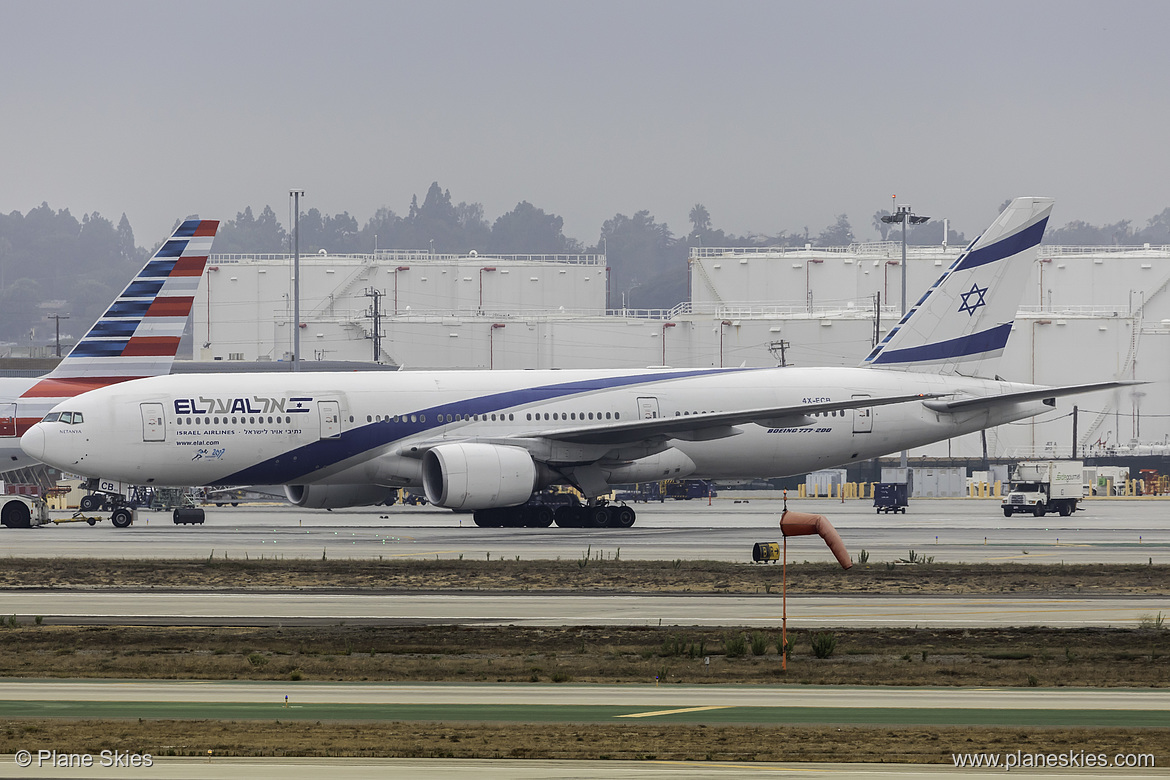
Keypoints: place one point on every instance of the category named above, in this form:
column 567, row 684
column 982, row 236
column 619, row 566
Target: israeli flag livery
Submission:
column 965, row 318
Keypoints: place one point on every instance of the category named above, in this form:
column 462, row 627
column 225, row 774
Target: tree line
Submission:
column 49, row 256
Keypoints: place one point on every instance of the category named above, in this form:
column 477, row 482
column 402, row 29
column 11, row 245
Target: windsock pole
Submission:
column 784, row 612
column 784, row 597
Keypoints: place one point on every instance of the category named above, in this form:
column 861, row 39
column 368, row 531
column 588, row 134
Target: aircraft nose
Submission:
column 33, row 442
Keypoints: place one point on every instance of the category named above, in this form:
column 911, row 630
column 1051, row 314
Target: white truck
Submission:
column 1039, row 487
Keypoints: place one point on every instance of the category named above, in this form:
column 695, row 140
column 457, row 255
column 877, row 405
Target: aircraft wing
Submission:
column 715, row 425
column 1041, row 394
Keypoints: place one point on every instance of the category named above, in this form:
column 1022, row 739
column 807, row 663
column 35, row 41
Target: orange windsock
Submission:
column 803, row 523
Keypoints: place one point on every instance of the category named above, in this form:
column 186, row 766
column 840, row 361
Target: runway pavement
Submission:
column 359, row 607
column 967, row 530
column 654, row 696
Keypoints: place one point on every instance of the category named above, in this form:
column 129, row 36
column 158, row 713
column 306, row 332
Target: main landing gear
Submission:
column 600, row 515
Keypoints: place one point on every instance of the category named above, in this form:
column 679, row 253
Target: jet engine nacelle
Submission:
column 338, row 496
column 668, row 464
column 478, row 476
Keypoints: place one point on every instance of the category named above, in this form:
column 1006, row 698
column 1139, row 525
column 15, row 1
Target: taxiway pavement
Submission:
column 966, row 530
column 293, row 607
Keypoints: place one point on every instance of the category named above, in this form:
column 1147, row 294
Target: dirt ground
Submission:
column 589, row 574
column 567, row 741
column 982, row 657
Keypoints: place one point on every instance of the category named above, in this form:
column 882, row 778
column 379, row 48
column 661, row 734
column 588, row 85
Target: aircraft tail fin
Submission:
column 963, row 320
column 139, row 333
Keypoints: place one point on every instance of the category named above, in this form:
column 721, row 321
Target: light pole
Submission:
column 904, row 214
column 296, row 196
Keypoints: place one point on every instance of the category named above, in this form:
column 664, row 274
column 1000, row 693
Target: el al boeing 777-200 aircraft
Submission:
column 486, row 440
column 138, row 336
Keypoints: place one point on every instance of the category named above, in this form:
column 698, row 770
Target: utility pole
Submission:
column 376, row 314
column 58, row 318
column 781, row 347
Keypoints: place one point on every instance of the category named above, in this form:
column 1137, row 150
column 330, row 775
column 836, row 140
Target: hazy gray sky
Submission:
column 775, row 115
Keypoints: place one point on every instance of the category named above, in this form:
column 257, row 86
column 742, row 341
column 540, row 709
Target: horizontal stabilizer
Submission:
column 1040, row 394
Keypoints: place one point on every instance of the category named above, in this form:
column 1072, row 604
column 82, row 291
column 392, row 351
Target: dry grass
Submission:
column 999, row 657
column 588, row 574
column 568, row 741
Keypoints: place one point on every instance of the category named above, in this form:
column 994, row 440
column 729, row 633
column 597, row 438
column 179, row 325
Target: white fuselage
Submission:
column 351, row 428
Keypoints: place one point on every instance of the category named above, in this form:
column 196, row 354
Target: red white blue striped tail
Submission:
column 139, row 334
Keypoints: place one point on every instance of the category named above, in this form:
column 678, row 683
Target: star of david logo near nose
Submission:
column 973, row 299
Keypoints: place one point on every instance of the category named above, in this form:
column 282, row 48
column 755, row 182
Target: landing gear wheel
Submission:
column 596, row 517
column 623, row 517
column 90, row 503
column 541, row 517
column 122, row 517
column 568, row 516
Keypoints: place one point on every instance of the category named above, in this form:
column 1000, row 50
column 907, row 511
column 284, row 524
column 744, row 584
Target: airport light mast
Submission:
column 296, row 196
column 904, row 214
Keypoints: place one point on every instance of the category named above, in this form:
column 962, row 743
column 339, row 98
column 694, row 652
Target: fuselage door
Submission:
column 154, row 424
column 648, row 408
column 330, row 412
column 7, row 419
column 862, row 417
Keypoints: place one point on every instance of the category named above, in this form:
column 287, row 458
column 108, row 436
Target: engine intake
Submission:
column 478, row 476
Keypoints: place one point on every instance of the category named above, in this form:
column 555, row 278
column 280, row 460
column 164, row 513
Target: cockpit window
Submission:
column 77, row 418
column 52, row 417
column 67, row 417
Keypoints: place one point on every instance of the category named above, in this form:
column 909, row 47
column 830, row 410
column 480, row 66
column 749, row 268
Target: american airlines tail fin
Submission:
column 963, row 321
column 139, row 334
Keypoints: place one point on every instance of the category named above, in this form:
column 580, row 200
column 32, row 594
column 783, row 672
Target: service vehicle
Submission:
column 1039, row 487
